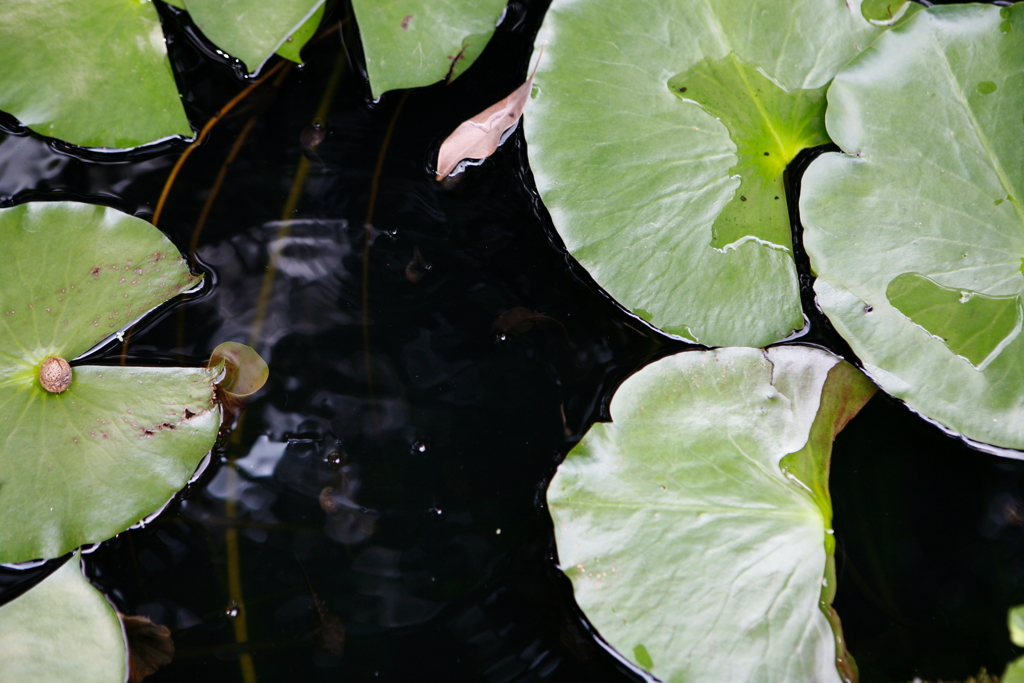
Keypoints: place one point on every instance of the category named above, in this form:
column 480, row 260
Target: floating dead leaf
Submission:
column 479, row 137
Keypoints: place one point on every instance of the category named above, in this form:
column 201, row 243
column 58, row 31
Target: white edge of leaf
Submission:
column 287, row 34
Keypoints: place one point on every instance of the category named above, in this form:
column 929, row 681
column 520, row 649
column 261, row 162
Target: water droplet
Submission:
column 419, row 446
column 1006, row 26
column 334, row 458
column 500, row 337
column 232, row 609
column 498, row 531
column 986, row 87
column 1005, row 13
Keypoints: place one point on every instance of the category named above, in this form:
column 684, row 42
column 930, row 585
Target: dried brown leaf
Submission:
column 479, row 137
column 149, row 646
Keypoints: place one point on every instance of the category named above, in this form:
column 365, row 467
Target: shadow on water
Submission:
column 408, row 500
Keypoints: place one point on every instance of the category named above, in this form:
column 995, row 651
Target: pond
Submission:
column 392, row 472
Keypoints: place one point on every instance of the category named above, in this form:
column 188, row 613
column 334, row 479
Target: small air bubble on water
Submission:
column 334, row 459
column 501, row 337
column 232, row 610
column 419, row 446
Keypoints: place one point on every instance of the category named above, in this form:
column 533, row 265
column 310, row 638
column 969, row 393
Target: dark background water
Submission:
column 404, row 471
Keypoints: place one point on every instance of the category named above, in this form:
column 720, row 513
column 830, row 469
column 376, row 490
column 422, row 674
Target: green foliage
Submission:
column 648, row 140
column 412, row 43
column 94, row 74
column 696, row 526
column 79, row 466
column 252, row 30
column 61, row 630
column 916, row 230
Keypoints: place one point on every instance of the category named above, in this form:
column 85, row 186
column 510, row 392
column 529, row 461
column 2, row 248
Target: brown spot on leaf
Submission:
column 405, row 22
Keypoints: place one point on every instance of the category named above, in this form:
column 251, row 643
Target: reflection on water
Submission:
column 310, row 272
column 392, row 476
column 383, row 492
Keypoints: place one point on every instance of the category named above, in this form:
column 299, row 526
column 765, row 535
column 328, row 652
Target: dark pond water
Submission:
column 397, row 468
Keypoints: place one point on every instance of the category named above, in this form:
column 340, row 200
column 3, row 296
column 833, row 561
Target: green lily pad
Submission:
column 884, row 12
column 292, row 46
column 252, row 30
column 1015, row 622
column 659, row 137
column 412, row 43
column 81, row 465
column 1014, row 672
column 61, row 630
column 916, row 231
column 94, row 74
column 696, row 526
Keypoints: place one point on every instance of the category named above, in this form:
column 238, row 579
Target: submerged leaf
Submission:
column 61, row 630
column 149, row 646
column 696, row 527
column 479, row 137
column 916, row 230
column 116, row 442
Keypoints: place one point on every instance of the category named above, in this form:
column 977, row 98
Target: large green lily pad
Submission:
column 252, row 30
column 916, row 230
column 659, row 135
column 696, row 526
column 412, row 43
column 61, row 630
column 94, row 74
column 80, row 466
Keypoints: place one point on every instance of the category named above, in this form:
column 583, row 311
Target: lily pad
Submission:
column 916, row 230
column 252, row 30
column 61, row 630
column 412, row 43
column 1014, row 672
column 659, row 137
column 94, row 74
column 696, row 526
column 81, row 465
column 292, row 46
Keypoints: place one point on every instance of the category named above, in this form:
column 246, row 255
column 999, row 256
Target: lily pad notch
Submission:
column 90, row 450
column 916, row 229
column 708, row 493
